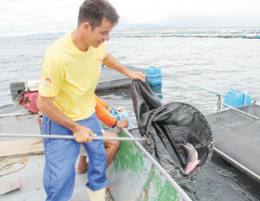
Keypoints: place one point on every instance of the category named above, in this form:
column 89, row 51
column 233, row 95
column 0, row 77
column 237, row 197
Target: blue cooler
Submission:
column 154, row 79
column 237, row 98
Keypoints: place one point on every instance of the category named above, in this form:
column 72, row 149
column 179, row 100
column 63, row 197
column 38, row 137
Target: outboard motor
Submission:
column 17, row 89
column 21, row 94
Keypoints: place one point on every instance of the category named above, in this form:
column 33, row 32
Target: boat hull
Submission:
column 134, row 175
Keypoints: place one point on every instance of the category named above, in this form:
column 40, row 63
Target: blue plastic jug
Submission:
column 154, row 79
column 237, row 99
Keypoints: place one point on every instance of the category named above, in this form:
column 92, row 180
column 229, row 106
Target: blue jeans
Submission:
column 61, row 155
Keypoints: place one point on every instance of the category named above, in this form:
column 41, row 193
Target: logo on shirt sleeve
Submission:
column 46, row 81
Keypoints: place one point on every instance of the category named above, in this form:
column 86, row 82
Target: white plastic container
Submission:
column 9, row 183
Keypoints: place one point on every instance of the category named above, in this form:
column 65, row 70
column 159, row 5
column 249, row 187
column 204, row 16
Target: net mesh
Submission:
column 168, row 126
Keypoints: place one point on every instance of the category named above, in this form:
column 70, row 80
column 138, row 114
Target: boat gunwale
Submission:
column 237, row 164
column 228, row 158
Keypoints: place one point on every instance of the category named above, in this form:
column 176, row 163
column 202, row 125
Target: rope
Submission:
column 211, row 91
column 219, row 103
column 204, row 144
column 10, row 165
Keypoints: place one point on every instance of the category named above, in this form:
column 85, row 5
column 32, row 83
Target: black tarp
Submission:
column 169, row 125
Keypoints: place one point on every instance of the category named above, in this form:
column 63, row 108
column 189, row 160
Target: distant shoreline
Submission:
column 248, row 32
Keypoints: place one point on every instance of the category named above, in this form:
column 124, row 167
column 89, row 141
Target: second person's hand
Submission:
column 122, row 123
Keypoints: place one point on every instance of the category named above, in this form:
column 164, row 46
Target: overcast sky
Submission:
column 201, row 12
column 61, row 15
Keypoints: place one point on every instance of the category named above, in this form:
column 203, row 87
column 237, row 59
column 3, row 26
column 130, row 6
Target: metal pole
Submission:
column 69, row 137
column 14, row 114
column 242, row 112
column 237, row 164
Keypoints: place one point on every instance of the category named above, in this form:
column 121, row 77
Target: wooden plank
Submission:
column 21, row 147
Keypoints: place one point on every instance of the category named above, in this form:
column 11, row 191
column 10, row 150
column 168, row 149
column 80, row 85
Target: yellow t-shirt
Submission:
column 71, row 76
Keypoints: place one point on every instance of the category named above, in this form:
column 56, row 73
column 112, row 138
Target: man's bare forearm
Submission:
column 46, row 106
column 111, row 62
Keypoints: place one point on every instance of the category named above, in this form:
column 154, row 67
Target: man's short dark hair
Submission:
column 94, row 11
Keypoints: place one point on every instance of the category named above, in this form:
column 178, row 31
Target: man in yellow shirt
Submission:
column 70, row 74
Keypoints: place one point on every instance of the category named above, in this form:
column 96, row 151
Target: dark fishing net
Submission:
column 169, row 126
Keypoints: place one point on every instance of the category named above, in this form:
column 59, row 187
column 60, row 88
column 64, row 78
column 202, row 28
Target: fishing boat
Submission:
column 133, row 175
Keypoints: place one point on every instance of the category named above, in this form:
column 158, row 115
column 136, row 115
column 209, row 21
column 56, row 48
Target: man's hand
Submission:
column 82, row 134
column 135, row 75
column 122, row 123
